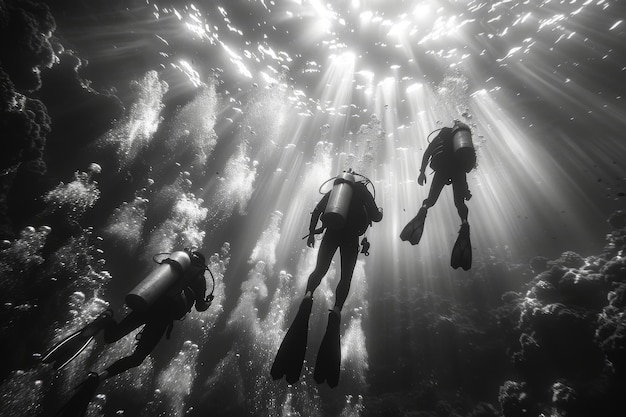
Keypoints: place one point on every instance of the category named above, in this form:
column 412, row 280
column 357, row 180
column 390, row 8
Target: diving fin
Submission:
column 77, row 405
column 290, row 357
column 328, row 362
column 462, row 250
column 414, row 229
column 69, row 348
column 65, row 351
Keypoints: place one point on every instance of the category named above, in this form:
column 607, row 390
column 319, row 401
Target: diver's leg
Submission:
column 439, row 180
column 459, row 187
column 148, row 340
column 116, row 331
column 328, row 362
column 349, row 250
column 327, row 250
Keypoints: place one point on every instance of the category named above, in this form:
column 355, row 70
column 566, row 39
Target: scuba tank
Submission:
column 462, row 146
column 336, row 211
column 155, row 285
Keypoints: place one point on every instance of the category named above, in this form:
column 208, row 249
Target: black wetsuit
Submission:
column 447, row 171
column 158, row 319
column 362, row 212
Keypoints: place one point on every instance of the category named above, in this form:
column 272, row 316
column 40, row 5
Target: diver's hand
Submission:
column 310, row 242
column 421, row 180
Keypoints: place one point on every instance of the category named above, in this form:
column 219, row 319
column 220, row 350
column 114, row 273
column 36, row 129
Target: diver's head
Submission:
column 198, row 258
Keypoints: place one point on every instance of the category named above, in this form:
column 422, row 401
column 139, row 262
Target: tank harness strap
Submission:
column 168, row 332
column 175, row 265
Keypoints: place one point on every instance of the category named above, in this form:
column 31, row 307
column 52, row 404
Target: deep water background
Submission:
column 133, row 128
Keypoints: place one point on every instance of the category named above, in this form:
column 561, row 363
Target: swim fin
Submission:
column 290, row 357
column 414, row 229
column 77, row 405
column 69, row 348
column 462, row 250
column 328, row 361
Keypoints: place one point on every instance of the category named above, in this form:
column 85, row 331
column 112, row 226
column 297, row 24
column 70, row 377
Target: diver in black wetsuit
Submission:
column 342, row 232
column 451, row 155
column 159, row 318
column 158, row 311
column 362, row 212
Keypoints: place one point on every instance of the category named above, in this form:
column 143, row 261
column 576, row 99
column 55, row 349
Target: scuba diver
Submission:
column 346, row 211
column 451, row 156
column 165, row 295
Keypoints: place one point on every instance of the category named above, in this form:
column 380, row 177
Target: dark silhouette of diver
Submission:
column 451, row 156
column 346, row 212
column 167, row 294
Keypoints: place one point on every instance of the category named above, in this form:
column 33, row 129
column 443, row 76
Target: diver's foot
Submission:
column 79, row 402
column 62, row 353
column 328, row 364
column 462, row 250
column 290, row 356
column 412, row 232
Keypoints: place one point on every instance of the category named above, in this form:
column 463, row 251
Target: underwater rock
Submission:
column 544, row 292
column 570, row 259
column 570, row 286
column 571, row 348
column 617, row 220
column 532, row 361
column 566, row 336
column 617, row 298
column 616, row 243
column 93, row 111
column 584, row 290
column 563, row 398
column 614, row 271
column 29, row 25
column 552, row 275
column 484, row 410
column 611, row 331
column 25, row 120
column 539, row 264
column 26, row 124
column 514, row 400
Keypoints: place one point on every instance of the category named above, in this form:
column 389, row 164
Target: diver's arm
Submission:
column 199, row 290
column 421, row 179
column 317, row 212
column 428, row 153
column 374, row 212
column 315, row 216
column 377, row 214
